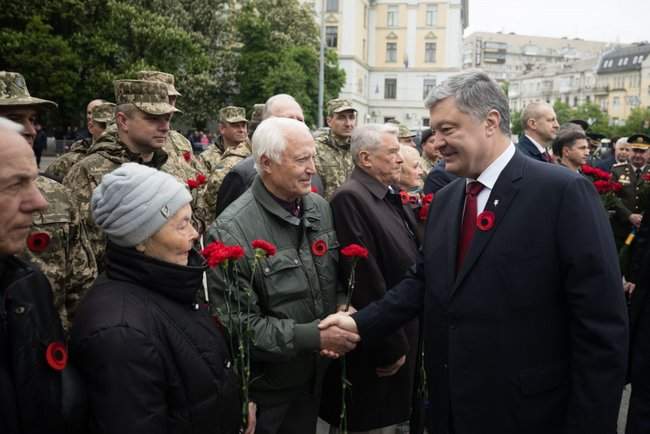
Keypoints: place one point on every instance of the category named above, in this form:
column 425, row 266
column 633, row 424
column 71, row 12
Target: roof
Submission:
column 624, row 59
column 517, row 43
column 557, row 69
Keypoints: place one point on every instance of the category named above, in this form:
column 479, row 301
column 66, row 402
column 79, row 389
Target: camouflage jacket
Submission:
column 228, row 160
column 61, row 166
column 177, row 144
column 104, row 156
column 210, row 158
column 333, row 162
column 58, row 244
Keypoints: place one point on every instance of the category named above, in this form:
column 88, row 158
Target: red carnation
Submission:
column 214, row 253
column 600, row 173
column 404, row 196
column 424, row 211
column 187, row 155
column 200, row 179
column 428, row 198
column 646, row 177
column 56, row 356
column 38, row 242
column 588, row 170
column 355, row 251
column 616, row 186
column 264, row 248
column 319, row 247
column 192, row 184
column 413, row 200
column 234, row 252
column 602, row 186
column 485, row 220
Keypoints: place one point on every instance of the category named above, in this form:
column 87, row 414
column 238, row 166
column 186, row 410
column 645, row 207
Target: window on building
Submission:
column 391, row 52
column 431, row 16
column 331, row 36
column 575, row 101
column 429, row 52
column 428, row 84
column 364, row 51
column 365, row 16
column 616, row 102
column 390, row 88
column 588, row 99
column 332, row 6
column 392, row 19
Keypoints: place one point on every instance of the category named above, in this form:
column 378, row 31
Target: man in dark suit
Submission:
column 525, row 321
column 540, row 129
column 368, row 211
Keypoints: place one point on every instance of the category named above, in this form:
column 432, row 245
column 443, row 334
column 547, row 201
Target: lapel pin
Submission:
column 496, row 202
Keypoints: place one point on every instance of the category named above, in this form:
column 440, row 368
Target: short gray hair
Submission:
column 268, row 106
column 534, row 111
column 476, row 94
column 368, row 138
column 270, row 138
column 9, row 125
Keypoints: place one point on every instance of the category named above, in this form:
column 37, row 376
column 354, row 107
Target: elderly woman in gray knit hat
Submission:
column 152, row 358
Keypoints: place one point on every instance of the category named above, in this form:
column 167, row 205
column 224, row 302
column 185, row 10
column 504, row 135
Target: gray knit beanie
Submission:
column 134, row 201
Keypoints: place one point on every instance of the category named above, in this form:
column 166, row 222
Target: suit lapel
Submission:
column 500, row 199
column 454, row 211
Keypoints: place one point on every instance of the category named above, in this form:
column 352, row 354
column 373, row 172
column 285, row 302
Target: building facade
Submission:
column 393, row 52
column 508, row 55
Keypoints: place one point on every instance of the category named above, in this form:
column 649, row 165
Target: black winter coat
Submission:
column 153, row 360
column 31, row 392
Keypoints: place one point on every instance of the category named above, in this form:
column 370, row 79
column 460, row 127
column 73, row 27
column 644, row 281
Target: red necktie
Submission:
column 468, row 226
column 546, row 156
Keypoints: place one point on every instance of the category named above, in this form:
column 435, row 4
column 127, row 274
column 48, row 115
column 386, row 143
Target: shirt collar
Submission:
column 539, row 147
column 490, row 175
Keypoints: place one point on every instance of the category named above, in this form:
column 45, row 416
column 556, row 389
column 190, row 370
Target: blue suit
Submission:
column 531, row 335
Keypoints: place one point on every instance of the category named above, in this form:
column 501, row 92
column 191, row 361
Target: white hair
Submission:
column 268, row 106
column 8, row 124
column 621, row 141
column 368, row 138
column 270, row 138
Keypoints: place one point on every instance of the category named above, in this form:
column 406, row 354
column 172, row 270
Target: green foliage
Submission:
column 563, row 112
column 515, row 122
column 638, row 122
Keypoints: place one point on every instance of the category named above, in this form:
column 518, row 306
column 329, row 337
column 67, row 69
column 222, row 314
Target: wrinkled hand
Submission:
column 635, row 219
column 628, row 288
column 340, row 323
column 337, row 340
column 252, row 418
column 389, row 370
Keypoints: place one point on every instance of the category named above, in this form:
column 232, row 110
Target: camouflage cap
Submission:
column 149, row 96
column 232, row 114
column 257, row 112
column 639, row 141
column 104, row 112
column 13, row 91
column 338, row 105
column 404, row 132
column 162, row 77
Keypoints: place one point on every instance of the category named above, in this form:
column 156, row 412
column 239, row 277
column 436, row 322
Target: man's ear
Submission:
column 364, row 159
column 492, row 121
column 120, row 120
column 265, row 163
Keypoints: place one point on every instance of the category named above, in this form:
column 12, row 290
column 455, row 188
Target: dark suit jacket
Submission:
column 437, row 178
column 531, row 336
column 528, row 148
column 366, row 213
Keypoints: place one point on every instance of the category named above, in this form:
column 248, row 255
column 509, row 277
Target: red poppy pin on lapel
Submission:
column 485, row 220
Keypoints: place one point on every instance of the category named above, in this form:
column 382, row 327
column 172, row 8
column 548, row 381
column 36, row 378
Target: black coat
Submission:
column 31, row 392
column 153, row 360
column 531, row 336
column 366, row 213
column 437, row 178
column 528, row 148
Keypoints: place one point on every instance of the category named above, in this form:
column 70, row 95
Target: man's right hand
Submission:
column 335, row 341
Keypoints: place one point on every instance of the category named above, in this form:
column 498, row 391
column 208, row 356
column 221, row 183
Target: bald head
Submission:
column 539, row 122
column 18, row 192
column 283, row 106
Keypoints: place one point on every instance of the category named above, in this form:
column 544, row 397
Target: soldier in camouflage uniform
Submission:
column 233, row 131
column 333, row 160
column 177, row 145
column 58, row 241
column 256, row 118
column 100, row 116
column 429, row 157
column 142, row 120
column 405, row 136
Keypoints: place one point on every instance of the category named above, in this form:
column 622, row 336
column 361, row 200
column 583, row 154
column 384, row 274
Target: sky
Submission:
column 622, row 21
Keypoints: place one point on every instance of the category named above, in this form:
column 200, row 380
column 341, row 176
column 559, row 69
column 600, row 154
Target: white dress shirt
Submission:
column 490, row 175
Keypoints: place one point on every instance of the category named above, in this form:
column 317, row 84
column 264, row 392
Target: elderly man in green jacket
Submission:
column 293, row 289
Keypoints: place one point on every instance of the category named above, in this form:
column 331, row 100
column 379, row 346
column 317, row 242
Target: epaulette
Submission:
column 619, row 164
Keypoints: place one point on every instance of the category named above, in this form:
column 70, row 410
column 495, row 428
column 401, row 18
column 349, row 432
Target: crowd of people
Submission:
column 344, row 280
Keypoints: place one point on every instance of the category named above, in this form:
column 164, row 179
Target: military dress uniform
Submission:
column 631, row 178
column 102, row 113
column 58, row 241
column 333, row 158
